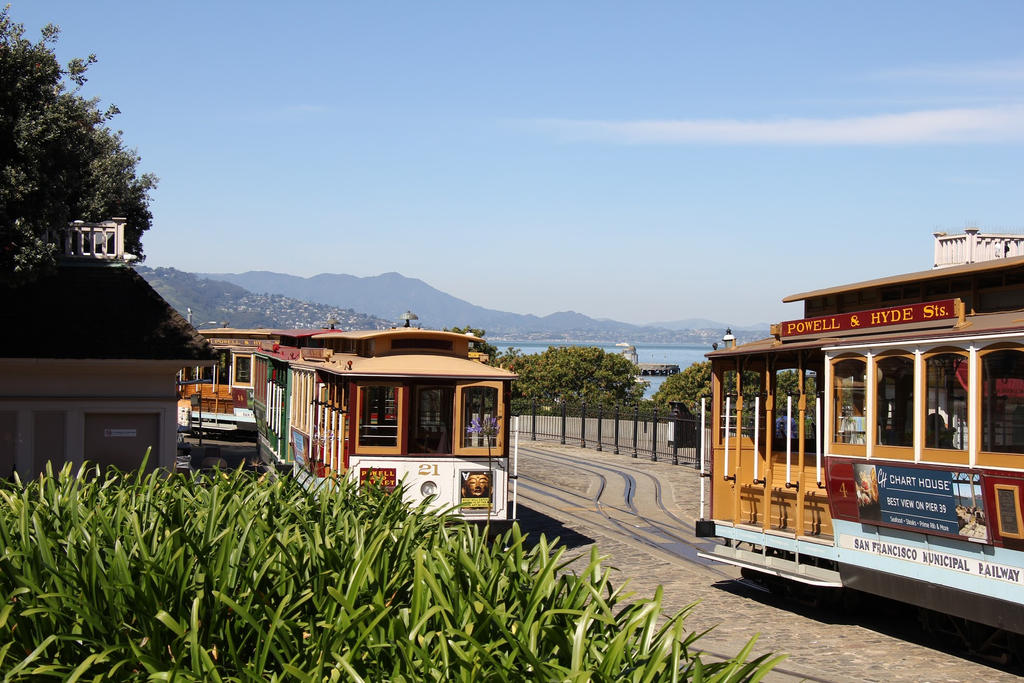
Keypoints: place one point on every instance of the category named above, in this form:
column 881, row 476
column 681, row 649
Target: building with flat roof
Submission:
column 89, row 359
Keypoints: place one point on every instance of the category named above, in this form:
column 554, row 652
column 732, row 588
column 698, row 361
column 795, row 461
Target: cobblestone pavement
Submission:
column 558, row 487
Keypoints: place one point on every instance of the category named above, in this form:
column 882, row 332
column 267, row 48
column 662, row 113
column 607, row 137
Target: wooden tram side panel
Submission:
column 768, row 504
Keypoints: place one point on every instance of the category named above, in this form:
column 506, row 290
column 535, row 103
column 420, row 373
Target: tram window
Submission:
column 849, row 379
column 894, row 408
column 378, row 419
column 432, row 411
column 243, row 369
column 946, row 403
column 1002, row 402
column 223, row 367
column 478, row 403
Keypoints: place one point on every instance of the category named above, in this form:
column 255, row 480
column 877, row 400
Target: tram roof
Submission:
column 239, row 332
column 394, row 332
column 301, row 332
column 979, row 324
column 410, row 365
column 920, row 276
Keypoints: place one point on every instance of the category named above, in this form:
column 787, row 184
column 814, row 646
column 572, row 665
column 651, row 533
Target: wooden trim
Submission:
column 952, row 455
column 904, row 453
column 829, row 433
column 945, row 456
column 1009, row 461
column 459, row 427
column 400, row 406
column 984, row 458
column 880, row 450
column 1016, row 509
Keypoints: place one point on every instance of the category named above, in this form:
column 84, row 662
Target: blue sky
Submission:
column 639, row 161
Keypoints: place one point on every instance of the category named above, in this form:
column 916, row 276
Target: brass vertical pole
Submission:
column 737, row 486
column 769, row 433
column 801, row 450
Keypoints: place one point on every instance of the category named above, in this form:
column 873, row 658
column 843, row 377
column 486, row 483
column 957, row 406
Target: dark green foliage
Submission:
column 576, row 373
column 59, row 161
column 687, row 386
column 483, row 347
column 229, row 577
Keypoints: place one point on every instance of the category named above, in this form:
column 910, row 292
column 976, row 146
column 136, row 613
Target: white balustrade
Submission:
column 975, row 247
column 80, row 240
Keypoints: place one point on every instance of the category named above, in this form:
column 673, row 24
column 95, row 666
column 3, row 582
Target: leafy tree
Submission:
column 695, row 381
column 59, row 161
column 786, row 383
column 508, row 358
column 687, row 386
column 577, row 372
column 482, row 346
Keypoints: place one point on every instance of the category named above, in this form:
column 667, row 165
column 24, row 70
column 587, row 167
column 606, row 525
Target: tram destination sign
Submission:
column 385, row 477
column 930, row 312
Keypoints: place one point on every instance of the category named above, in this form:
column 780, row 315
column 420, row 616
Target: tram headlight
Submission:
column 428, row 489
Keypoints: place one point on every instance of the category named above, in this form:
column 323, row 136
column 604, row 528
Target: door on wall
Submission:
column 8, row 434
column 48, row 429
column 120, row 439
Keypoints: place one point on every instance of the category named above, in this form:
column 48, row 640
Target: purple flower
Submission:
column 488, row 426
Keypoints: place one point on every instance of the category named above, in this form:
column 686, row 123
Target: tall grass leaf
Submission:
column 31, row 657
column 579, row 644
column 170, row 622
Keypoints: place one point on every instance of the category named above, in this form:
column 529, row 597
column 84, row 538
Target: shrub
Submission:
column 229, row 577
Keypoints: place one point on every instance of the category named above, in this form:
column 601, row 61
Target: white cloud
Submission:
column 940, row 126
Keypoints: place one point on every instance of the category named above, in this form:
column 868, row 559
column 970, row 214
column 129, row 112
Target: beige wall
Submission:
column 48, row 407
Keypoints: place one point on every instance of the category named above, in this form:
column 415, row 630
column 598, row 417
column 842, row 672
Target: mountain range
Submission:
column 276, row 300
column 214, row 303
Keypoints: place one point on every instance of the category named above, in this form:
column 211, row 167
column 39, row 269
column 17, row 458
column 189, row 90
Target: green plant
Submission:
column 232, row 577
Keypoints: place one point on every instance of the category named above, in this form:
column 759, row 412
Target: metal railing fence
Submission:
column 639, row 431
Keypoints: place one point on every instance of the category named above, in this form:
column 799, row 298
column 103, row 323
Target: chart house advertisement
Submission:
column 931, row 501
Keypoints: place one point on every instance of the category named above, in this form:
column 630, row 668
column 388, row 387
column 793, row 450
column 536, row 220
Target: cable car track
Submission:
column 631, row 483
column 599, row 508
column 664, row 528
column 621, row 527
column 658, row 534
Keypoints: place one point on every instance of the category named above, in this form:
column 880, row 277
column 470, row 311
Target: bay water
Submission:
column 674, row 354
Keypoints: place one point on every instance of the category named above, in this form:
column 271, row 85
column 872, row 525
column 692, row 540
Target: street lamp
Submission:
column 729, row 339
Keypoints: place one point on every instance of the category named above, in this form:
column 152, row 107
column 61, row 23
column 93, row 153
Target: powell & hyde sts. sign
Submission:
column 932, row 311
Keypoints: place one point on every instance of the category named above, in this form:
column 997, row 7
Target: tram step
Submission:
column 787, row 569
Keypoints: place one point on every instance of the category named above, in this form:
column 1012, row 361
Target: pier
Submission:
column 663, row 369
